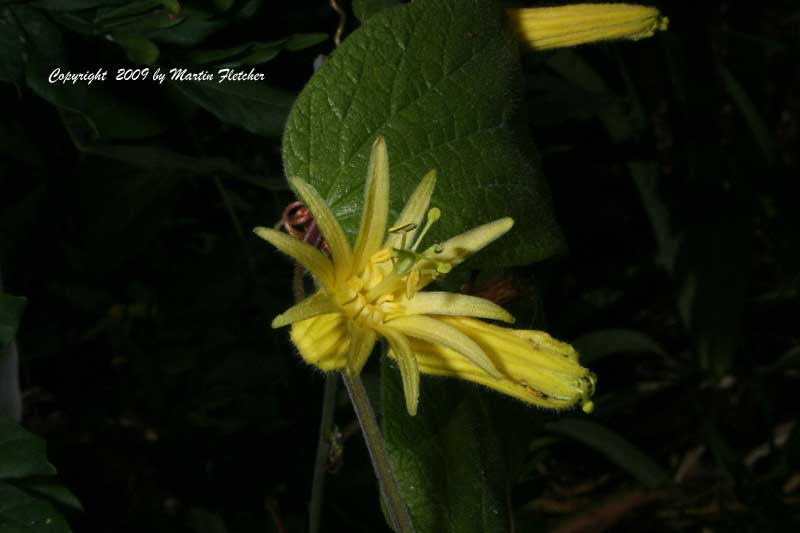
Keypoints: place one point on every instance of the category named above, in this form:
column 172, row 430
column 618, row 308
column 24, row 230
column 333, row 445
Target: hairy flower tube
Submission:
column 373, row 290
column 544, row 28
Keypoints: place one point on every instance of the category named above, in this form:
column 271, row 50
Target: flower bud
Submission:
column 544, row 28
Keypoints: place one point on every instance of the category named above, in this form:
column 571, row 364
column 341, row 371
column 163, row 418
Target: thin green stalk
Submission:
column 326, row 421
column 323, row 449
column 237, row 225
column 10, row 393
column 395, row 507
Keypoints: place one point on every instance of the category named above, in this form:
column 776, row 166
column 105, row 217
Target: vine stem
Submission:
column 395, row 507
column 10, row 394
column 328, row 407
column 323, row 450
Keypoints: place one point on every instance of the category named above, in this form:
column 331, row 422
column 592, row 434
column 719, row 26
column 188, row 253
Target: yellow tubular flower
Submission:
column 373, row 290
column 544, row 28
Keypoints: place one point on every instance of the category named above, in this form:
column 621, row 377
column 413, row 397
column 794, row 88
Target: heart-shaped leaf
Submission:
column 447, row 458
column 440, row 80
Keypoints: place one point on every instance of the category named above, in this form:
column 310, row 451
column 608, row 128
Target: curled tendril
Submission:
column 298, row 221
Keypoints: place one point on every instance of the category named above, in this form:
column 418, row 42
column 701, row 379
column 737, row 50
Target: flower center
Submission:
column 355, row 299
column 369, row 297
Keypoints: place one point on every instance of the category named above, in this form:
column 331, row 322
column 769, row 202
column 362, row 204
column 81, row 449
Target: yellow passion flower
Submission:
column 544, row 28
column 373, row 290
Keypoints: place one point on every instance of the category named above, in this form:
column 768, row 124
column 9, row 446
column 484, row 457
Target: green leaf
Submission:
column 254, row 106
column 139, row 49
column 256, row 52
column 21, row 513
column 263, row 52
column 645, row 175
column 364, row 9
column 440, row 80
column 11, row 308
column 73, row 5
column 45, row 49
column 75, row 22
column 12, row 45
column 141, row 24
column 713, row 298
column 601, row 343
column 138, row 7
column 22, row 454
column 301, row 41
column 625, row 121
column 614, row 447
column 447, row 459
column 216, row 55
column 752, row 117
column 790, row 359
column 223, row 5
column 157, row 158
column 196, row 25
column 52, row 490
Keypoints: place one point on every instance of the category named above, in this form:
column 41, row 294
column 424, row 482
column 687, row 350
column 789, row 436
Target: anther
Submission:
column 434, row 214
column 405, row 228
column 412, row 283
column 381, row 256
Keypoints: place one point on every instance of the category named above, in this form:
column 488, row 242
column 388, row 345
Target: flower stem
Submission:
column 328, row 409
column 323, row 448
column 395, row 507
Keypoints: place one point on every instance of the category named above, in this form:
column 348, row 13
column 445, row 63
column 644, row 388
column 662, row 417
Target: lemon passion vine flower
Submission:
column 373, row 291
column 544, row 28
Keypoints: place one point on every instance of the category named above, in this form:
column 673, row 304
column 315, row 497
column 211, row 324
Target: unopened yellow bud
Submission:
column 545, row 28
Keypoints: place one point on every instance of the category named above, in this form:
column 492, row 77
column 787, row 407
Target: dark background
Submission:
column 168, row 404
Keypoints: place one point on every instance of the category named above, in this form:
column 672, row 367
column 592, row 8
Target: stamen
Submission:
column 590, row 380
column 404, row 230
column 412, row 284
column 587, row 406
column 381, row 256
column 408, row 263
column 434, row 213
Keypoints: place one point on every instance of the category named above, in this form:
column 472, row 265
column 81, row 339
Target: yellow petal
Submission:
column 414, row 210
column 449, row 303
column 457, row 249
column 337, row 241
column 317, row 304
column 376, row 205
column 323, row 341
column 312, row 259
column 438, row 332
column 535, row 367
column 362, row 341
column 409, row 372
column 544, row 28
